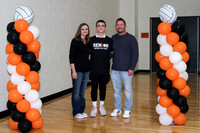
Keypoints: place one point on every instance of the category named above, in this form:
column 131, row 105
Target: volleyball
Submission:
column 23, row 12
column 167, row 14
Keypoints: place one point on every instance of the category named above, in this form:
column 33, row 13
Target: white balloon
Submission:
column 175, row 57
column 161, row 39
column 34, row 30
column 32, row 96
column 24, row 87
column 160, row 110
column 40, row 110
column 165, row 119
column 158, row 98
column 37, row 104
column 181, row 66
column 166, row 49
column 16, row 78
column 184, row 75
column 11, row 69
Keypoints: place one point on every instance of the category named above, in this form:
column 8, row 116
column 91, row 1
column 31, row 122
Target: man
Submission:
column 125, row 57
column 101, row 48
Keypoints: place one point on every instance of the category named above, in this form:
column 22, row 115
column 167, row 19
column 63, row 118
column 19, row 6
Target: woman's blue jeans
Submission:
column 78, row 91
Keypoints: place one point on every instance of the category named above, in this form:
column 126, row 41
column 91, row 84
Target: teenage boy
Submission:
column 101, row 48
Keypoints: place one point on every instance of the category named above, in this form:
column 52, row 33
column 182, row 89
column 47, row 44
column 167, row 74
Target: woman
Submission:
column 79, row 62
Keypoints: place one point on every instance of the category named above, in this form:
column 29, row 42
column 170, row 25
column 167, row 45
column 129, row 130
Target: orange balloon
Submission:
column 180, row 47
column 158, row 81
column 34, row 46
column 158, row 56
column 165, row 63
column 11, row 86
column 172, row 38
column 173, row 110
column 180, row 119
column 160, row 91
column 23, row 106
column 36, row 86
column 37, row 55
column 38, row 123
column 14, row 59
column 179, row 83
column 9, row 48
column 33, row 115
column 164, row 28
column 165, row 101
column 32, row 77
column 12, row 124
column 172, row 74
column 26, row 37
column 185, row 92
column 21, row 25
column 14, row 96
column 185, row 57
column 23, row 69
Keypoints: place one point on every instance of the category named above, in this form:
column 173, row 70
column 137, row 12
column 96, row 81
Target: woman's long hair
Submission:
column 78, row 33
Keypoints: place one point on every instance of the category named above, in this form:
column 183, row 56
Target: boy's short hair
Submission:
column 121, row 19
column 100, row 21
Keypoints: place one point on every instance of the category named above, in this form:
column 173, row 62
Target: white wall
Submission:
column 57, row 21
column 150, row 8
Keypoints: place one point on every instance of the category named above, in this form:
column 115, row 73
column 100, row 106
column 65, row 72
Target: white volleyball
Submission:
column 161, row 39
column 23, row 12
column 175, row 57
column 166, row 49
column 167, row 14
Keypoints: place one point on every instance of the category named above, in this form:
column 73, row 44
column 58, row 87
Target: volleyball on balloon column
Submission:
column 23, row 66
column 172, row 76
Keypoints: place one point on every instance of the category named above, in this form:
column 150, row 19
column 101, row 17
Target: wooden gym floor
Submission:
column 57, row 114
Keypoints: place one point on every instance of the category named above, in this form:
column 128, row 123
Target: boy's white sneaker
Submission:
column 79, row 116
column 93, row 112
column 126, row 114
column 116, row 112
column 102, row 110
column 84, row 115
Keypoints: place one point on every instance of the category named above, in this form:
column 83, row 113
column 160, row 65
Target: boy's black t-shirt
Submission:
column 101, row 49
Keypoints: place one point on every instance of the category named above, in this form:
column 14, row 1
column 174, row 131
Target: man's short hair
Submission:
column 121, row 19
column 100, row 21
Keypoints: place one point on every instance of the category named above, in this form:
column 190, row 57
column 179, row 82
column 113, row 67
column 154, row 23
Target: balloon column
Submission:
column 172, row 77
column 23, row 86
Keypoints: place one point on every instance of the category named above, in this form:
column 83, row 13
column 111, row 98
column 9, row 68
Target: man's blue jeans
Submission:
column 117, row 78
column 79, row 86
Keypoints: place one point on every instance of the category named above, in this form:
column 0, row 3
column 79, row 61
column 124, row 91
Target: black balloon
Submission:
column 29, row 58
column 13, row 37
column 17, row 116
column 20, row 48
column 36, row 66
column 184, row 38
column 180, row 101
column 178, row 27
column 173, row 93
column 161, row 74
column 165, row 83
column 184, row 108
column 10, row 27
column 11, row 106
column 24, row 126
